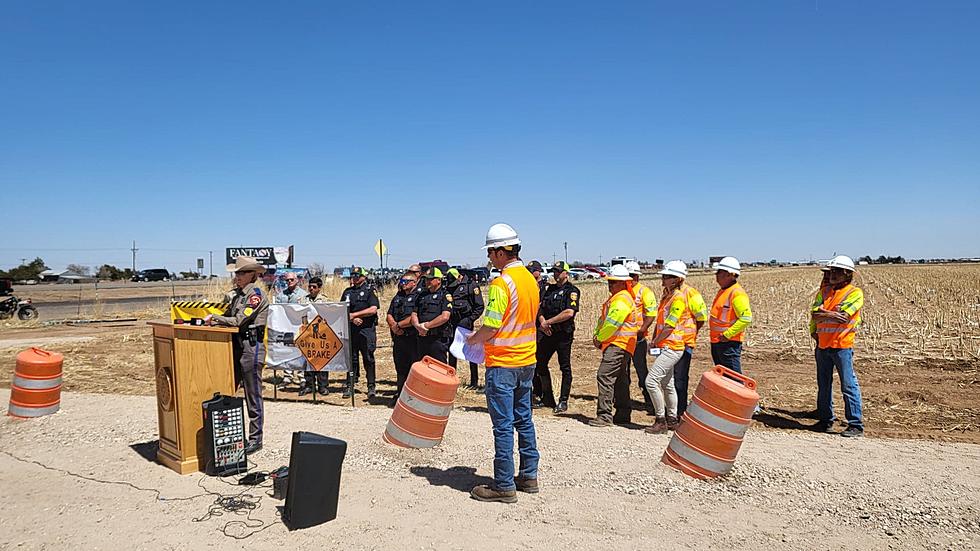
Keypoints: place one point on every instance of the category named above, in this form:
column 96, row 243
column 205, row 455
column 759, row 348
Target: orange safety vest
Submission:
column 684, row 329
column 723, row 315
column 625, row 336
column 515, row 343
column 690, row 328
column 837, row 335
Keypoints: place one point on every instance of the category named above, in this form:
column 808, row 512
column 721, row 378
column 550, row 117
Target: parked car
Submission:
column 153, row 274
column 599, row 271
column 579, row 273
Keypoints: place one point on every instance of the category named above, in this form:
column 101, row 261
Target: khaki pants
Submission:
column 660, row 383
column 614, row 385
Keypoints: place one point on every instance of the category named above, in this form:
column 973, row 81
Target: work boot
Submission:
column 658, row 427
column 371, row 391
column 486, row 493
column 323, row 390
column 562, row 406
column 305, row 389
column 852, row 432
column 537, row 403
column 672, row 423
column 348, row 391
column 825, row 426
column 252, row 447
column 599, row 422
column 526, row 485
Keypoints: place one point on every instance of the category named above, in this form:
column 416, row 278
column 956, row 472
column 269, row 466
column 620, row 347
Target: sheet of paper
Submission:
column 464, row 351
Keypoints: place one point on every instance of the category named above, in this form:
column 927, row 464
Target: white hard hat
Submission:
column 619, row 273
column 674, row 268
column 633, row 267
column 501, row 235
column 729, row 264
column 841, row 261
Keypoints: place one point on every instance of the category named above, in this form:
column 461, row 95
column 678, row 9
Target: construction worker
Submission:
column 730, row 315
column 467, row 308
column 508, row 336
column 615, row 334
column 674, row 325
column 404, row 337
column 698, row 311
column 646, row 303
column 315, row 381
column 363, row 313
column 247, row 311
column 556, row 330
column 433, row 308
column 835, row 318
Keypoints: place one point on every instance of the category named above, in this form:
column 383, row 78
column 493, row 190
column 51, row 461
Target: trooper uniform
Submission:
column 555, row 300
column 364, row 338
column 428, row 306
column 404, row 347
column 248, row 311
column 467, row 308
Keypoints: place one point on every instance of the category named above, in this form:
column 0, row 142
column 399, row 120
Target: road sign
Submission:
column 200, row 263
column 318, row 343
column 380, row 249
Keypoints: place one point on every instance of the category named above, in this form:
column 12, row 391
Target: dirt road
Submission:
column 601, row 488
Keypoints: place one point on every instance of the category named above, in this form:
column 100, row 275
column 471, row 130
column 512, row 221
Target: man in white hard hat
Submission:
column 509, row 340
column 730, row 315
column 646, row 303
column 835, row 318
column 615, row 334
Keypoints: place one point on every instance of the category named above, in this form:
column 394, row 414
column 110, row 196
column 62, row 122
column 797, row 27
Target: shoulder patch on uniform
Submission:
column 573, row 296
column 254, row 301
column 449, row 297
column 476, row 290
column 248, row 311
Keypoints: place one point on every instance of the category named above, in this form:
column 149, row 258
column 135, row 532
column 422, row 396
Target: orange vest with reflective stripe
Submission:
column 515, row 343
column 832, row 334
column 685, row 327
column 723, row 315
column 625, row 336
column 690, row 328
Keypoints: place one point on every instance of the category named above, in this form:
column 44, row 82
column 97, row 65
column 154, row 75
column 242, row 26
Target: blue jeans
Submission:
column 728, row 354
column 508, row 393
column 841, row 359
column 682, row 373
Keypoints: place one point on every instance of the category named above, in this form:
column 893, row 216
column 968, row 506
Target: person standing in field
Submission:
column 646, row 303
column 835, row 318
column 404, row 337
column 556, row 326
column 674, row 327
column 315, row 381
column 730, row 315
column 292, row 294
column 467, row 308
column 698, row 315
column 508, row 336
column 615, row 335
column 433, row 309
column 363, row 315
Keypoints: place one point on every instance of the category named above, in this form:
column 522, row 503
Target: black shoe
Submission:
column 852, row 432
column 323, row 390
column 304, row 390
column 536, row 403
column 253, row 447
column 562, row 406
column 348, row 392
column 371, row 392
column 825, row 426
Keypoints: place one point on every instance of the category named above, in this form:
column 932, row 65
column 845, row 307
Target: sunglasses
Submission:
column 404, row 281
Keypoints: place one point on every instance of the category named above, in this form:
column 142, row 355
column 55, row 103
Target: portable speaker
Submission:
column 313, row 485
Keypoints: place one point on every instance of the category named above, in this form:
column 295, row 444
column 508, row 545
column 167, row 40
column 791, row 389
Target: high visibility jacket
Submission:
column 697, row 310
column 512, row 306
column 619, row 322
column 848, row 300
column 730, row 314
column 646, row 300
column 673, row 312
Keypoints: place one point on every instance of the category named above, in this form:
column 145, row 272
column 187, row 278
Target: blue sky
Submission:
column 764, row 130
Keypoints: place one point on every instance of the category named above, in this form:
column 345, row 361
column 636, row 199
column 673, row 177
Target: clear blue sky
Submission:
column 778, row 129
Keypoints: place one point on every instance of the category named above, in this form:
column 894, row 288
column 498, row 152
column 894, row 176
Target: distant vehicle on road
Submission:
column 579, row 273
column 621, row 260
column 601, row 270
column 153, row 274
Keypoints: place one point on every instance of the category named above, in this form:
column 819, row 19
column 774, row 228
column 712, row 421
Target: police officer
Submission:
column 404, row 337
column 538, row 272
column 556, row 324
column 363, row 314
column 467, row 308
column 433, row 309
column 247, row 310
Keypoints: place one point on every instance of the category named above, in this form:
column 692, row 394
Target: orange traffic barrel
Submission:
column 711, row 430
column 420, row 416
column 36, row 389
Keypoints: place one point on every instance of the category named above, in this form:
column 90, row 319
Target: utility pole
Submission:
column 600, row 259
column 566, row 252
column 134, row 249
column 211, row 263
column 554, row 258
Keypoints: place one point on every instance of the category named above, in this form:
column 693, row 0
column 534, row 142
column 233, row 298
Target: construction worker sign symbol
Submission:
column 318, row 343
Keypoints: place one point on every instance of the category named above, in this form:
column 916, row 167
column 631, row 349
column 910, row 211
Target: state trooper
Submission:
column 404, row 337
column 363, row 314
column 433, row 308
column 556, row 325
column 467, row 308
column 247, row 310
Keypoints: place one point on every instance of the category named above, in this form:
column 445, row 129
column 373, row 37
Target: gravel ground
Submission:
column 601, row 488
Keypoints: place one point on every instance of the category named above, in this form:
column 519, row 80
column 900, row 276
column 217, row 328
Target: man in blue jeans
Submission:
column 509, row 338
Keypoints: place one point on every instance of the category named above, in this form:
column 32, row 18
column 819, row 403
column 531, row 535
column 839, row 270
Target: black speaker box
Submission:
column 315, row 463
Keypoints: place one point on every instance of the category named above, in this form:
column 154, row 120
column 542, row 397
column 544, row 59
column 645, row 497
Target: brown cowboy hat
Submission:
column 246, row 264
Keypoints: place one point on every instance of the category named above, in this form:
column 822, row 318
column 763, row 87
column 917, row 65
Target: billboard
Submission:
column 264, row 255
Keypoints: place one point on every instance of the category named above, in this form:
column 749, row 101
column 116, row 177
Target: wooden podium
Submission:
column 191, row 364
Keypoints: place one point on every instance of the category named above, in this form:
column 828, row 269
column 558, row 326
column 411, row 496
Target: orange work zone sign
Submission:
column 318, row 343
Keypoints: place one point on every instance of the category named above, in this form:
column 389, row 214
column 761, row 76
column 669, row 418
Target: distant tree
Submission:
column 77, row 269
column 866, row 259
column 316, row 269
column 190, row 275
column 31, row 270
column 882, row 259
column 108, row 271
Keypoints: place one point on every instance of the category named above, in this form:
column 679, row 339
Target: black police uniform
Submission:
column 429, row 306
column 556, row 299
column 363, row 339
column 404, row 347
column 467, row 308
column 536, row 380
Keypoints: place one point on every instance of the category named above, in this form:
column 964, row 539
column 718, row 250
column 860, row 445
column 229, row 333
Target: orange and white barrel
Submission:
column 420, row 416
column 36, row 388
column 710, row 434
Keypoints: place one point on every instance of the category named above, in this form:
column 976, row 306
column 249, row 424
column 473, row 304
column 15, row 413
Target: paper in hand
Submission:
column 463, row 351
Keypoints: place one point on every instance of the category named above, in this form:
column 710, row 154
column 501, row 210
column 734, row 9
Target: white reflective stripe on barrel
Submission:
column 36, row 384
column 720, row 424
column 409, row 439
column 697, row 458
column 32, row 412
column 425, row 408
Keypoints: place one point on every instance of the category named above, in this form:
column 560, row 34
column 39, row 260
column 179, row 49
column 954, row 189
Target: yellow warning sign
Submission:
column 187, row 310
column 380, row 249
column 318, row 343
